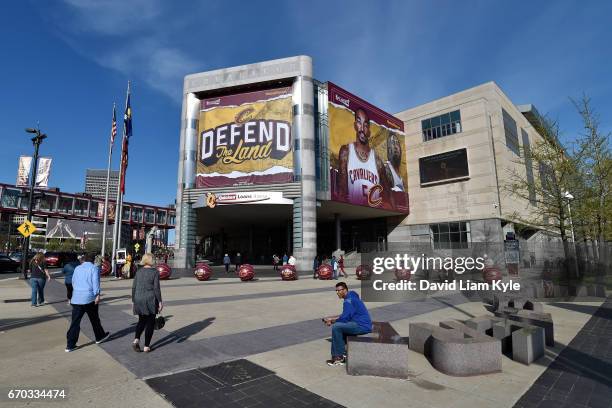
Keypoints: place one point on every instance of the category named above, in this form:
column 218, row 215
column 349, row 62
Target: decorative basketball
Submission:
column 325, row 272
column 363, row 272
column 403, row 274
column 105, row 268
column 202, row 272
column 246, row 272
column 164, row 271
column 491, row 273
column 288, row 272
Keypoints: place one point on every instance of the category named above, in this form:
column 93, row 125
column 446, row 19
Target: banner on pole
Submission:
column 23, row 171
column 44, row 169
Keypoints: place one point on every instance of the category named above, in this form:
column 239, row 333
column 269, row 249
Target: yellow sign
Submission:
column 136, row 246
column 26, row 229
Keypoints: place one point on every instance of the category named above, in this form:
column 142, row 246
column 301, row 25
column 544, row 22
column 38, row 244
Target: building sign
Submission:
column 23, row 171
column 213, row 200
column 75, row 229
column 245, row 139
column 111, row 210
column 442, row 167
column 367, row 153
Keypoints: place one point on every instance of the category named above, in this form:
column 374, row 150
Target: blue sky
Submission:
column 65, row 62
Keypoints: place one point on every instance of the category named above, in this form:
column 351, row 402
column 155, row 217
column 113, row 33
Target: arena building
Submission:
column 273, row 161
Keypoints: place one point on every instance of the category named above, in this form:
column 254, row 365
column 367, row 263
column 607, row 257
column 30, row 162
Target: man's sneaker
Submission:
column 336, row 361
column 70, row 349
column 103, row 339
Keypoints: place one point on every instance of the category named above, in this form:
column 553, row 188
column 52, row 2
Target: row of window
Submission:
column 450, row 235
column 442, row 125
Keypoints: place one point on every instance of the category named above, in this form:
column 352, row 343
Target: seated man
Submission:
column 354, row 320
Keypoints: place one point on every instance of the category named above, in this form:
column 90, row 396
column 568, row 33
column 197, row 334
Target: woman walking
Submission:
column 147, row 301
column 39, row 275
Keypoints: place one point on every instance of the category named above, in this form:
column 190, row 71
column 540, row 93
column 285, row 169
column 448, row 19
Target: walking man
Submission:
column 85, row 299
column 226, row 262
column 353, row 321
column 238, row 261
column 334, row 265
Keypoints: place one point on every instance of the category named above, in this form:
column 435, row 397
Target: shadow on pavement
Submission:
column 184, row 333
column 11, row 324
column 587, row 309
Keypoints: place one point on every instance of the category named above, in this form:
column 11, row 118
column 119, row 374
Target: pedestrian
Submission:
column 315, row 267
column 146, row 300
column 275, row 260
column 39, row 276
column 334, row 265
column 285, row 259
column 291, row 260
column 353, row 321
column 85, row 299
column 226, row 261
column 238, row 260
column 341, row 266
column 68, row 271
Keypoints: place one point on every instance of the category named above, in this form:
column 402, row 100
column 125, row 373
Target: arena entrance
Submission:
column 256, row 231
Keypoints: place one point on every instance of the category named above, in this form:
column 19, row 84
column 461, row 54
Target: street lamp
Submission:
column 36, row 141
column 570, row 197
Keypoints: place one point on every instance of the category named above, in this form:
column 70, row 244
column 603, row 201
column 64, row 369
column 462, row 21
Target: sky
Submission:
column 65, row 62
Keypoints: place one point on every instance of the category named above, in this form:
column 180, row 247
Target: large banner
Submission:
column 367, row 153
column 245, row 139
column 23, row 171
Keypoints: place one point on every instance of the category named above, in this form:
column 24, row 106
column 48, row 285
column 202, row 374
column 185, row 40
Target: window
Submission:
column 529, row 167
column 450, row 235
column 46, row 203
column 511, row 131
column 149, row 216
column 161, row 217
column 136, row 214
column 10, row 198
column 64, row 204
column 448, row 166
column 126, row 213
column 439, row 126
column 80, row 207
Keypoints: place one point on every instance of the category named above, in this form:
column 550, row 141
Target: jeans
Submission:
column 335, row 273
column 38, row 288
column 75, row 326
column 69, row 290
column 226, row 268
column 339, row 333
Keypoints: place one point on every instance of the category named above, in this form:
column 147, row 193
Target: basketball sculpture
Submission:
column 246, row 272
column 288, row 272
column 164, row 271
column 105, row 268
column 202, row 272
column 363, row 272
column 491, row 273
column 403, row 274
column 325, row 272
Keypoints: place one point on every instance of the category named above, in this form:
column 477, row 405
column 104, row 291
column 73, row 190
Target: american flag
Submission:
column 114, row 129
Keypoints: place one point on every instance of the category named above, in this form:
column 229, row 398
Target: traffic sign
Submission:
column 26, row 229
column 137, row 247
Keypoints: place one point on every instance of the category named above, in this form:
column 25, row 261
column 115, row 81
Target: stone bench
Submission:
column 382, row 353
column 456, row 349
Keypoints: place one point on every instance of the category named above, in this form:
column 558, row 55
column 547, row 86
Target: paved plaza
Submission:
column 262, row 343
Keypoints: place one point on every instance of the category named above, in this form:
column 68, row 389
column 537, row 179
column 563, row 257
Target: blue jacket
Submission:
column 68, row 270
column 226, row 260
column 354, row 310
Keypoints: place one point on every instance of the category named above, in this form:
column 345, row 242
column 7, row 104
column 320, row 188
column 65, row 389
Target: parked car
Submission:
column 18, row 256
column 9, row 265
column 59, row 259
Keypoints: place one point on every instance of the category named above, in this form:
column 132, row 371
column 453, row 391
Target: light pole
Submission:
column 570, row 197
column 36, row 140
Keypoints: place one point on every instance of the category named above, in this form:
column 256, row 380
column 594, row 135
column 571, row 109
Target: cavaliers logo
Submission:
column 211, row 200
column 375, row 196
column 245, row 115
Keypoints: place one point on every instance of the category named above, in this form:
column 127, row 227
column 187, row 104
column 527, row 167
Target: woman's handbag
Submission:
column 160, row 322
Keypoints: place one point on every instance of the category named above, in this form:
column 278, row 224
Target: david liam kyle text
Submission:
column 235, row 143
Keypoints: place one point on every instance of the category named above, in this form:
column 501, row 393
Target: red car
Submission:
column 59, row 259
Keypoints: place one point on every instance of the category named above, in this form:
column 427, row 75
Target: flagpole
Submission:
column 119, row 205
column 108, row 172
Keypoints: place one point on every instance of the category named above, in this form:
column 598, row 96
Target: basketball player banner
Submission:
column 245, row 139
column 367, row 153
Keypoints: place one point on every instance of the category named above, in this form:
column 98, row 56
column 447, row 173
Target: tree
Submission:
column 548, row 193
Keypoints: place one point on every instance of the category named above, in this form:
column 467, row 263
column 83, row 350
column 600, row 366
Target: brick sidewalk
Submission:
column 581, row 376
